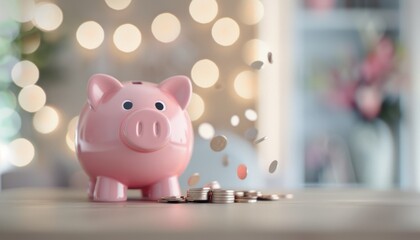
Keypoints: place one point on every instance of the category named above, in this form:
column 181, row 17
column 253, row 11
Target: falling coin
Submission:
column 273, row 166
column 260, row 140
column 218, row 143
column 225, row 160
column 194, row 179
column 251, row 133
column 270, row 57
column 257, row 64
column 242, row 171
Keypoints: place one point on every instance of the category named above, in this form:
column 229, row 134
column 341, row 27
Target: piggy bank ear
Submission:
column 100, row 87
column 179, row 87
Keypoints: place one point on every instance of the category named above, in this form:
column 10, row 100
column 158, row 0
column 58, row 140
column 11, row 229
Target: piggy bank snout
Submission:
column 146, row 130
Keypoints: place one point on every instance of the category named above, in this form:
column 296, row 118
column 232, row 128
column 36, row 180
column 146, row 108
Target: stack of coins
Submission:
column 198, row 194
column 213, row 185
column 250, row 196
column 223, row 196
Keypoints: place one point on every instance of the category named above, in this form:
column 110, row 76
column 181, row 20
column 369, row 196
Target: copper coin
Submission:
column 193, row 179
column 218, row 143
column 242, row 171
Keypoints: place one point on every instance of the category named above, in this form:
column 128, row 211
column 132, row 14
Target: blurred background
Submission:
column 332, row 85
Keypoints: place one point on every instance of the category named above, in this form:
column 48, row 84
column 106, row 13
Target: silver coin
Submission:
column 269, row 197
column 218, row 143
column 257, row 64
column 245, row 200
column 270, row 57
column 223, row 201
column 260, row 140
column 273, row 166
column 224, row 191
column 199, row 189
column 286, row 195
column 239, row 193
column 172, row 199
column 251, row 133
column 252, row 193
column 213, row 185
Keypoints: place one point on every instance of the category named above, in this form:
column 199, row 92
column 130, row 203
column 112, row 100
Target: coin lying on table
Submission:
column 172, row 199
column 269, row 197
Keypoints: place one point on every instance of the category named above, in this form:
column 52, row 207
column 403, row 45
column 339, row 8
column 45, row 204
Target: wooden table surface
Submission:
column 312, row 214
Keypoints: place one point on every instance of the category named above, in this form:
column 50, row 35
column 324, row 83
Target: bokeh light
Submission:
column 251, row 114
column 196, row 107
column 127, row 38
column 25, row 73
column 203, row 11
column 166, row 27
column 21, row 10
column 255, row 50
column 46, row 120
column 251, row 11
column 20, row 152
column 10, row 123
column 206, row 130
column 225, row 31
column 47, row 16
column 245, row 84
column 118, row 4
column 32, row 98
column 90, row 35
column 31, row 43
column 234, row 120
column 71, row 133
column 205, row 73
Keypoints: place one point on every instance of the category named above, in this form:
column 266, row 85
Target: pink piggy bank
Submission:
column 135, row 135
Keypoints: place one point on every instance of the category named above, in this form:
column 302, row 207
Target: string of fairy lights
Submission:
column 127, row 38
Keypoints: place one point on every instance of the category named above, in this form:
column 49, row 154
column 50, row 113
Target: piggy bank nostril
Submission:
column 156, row 128
column 139, row 128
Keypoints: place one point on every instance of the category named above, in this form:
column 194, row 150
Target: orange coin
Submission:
column 242, row 171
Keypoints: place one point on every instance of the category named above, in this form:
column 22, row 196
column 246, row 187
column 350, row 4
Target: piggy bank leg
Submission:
column 109, row 190
column 91, row 188
column 163, row 188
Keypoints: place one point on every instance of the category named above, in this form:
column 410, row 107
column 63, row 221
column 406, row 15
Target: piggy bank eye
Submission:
column 160, row 106
column 127, row 105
